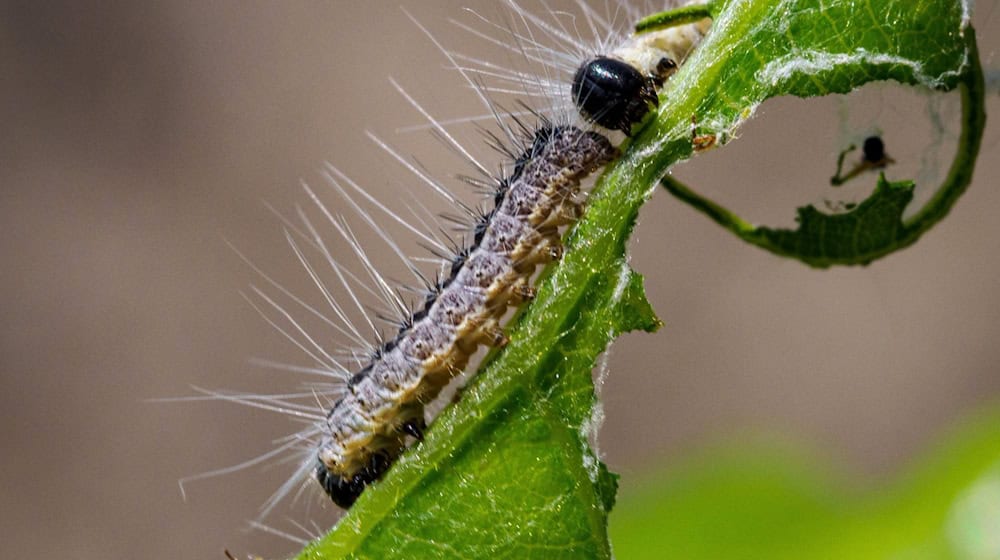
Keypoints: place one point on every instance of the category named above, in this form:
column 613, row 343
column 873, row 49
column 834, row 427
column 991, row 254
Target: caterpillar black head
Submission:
column 612, row 93
column 343, row 491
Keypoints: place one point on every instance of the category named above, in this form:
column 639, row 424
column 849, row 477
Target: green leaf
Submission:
column 507, row 471
column 856, row 236
column 875, row 228
column 868, row 231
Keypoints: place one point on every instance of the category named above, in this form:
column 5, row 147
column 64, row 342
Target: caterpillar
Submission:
column 375, row 408
column 368, row 427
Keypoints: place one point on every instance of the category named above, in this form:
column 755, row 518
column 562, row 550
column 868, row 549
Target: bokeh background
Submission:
column 138, row 139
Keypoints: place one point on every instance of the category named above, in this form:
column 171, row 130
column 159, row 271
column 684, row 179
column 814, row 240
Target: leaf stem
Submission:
column 675, row 17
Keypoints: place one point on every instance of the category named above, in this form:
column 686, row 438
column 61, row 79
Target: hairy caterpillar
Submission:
column 373, row 409
column 368, row 427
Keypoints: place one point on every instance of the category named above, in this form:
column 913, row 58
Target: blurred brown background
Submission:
column 139, row 138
